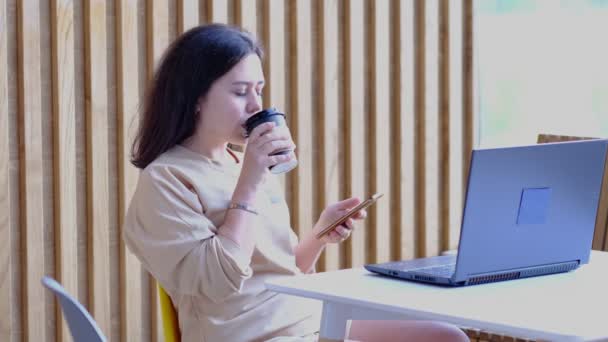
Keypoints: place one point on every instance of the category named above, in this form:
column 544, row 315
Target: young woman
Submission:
column 212, row 226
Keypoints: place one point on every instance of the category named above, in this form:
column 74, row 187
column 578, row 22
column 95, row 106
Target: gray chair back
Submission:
column 82, row 325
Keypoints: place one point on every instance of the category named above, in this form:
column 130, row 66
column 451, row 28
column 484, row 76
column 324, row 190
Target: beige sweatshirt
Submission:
column 218, row 291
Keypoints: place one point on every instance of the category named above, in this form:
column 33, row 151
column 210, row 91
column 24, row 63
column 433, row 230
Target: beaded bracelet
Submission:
column 241, row 206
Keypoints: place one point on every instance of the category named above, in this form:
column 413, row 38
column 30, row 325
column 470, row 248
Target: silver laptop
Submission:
column 529, row 211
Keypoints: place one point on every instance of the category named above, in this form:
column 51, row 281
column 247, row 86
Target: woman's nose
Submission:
column 254, row 104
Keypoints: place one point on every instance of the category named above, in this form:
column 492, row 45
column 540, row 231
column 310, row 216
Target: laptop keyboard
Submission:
column 440, row 266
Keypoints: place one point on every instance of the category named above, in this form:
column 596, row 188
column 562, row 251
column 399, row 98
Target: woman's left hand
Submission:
column 334, row 212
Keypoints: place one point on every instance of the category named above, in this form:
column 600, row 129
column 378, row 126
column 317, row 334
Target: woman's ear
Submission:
column 199, row 105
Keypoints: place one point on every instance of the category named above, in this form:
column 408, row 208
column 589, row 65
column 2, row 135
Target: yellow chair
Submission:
column 169, row 316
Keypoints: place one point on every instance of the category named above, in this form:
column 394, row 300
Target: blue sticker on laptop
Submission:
column 534, row 206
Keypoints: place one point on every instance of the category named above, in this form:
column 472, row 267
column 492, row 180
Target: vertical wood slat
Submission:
column 187, row 15
column 218, row 11
column 405, row 150
column 14, row 268
column 31, row 165
column 112, row 279
column 328, row 126
column 380, row 128
column 97, row 141
column 6, row 309
column 274, row 64
column 431, row 130
column 127, row 77
column 301, row 123
column 158, row 40
column 202, row 12
column 64, row 137
column 420, row 126
column 355, row 251
column 467, row 86
column 157, row 30
column 246, row 15
column 394, row 94
column 457, row 151
column 443, row 133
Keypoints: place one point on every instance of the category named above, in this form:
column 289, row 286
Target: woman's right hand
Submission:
column 263, row 141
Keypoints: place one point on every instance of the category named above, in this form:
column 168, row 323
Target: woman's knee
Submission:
column 398, row 330
column 448, row 332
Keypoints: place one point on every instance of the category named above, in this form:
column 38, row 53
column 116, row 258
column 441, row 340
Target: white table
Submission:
column 569, row 306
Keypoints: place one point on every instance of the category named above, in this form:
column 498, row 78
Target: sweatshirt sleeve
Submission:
column 166, row 229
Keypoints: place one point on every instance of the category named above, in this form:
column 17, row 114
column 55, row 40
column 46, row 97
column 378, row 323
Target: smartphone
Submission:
column 350, row 213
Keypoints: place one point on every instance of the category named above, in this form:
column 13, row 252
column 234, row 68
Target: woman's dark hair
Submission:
column 186, row 72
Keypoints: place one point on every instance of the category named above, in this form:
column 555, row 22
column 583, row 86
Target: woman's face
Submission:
column 231, row 100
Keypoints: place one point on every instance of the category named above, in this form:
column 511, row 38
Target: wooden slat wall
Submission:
column 326, row 115
column 31, row 165
column 419, row 90
column 468, row 122
column 458, row 124
column 443, row 96
column 157, row 20
column 429, row 245
column 355, row 137
column 97, row 151
column 301, row 120
column 379, row 116
column 187, row 15
column 275, row 69
column 132, row 324
column 64, row 166
column 378, row 96
column 246, row 14
column 6, row 284
column 403, row 56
